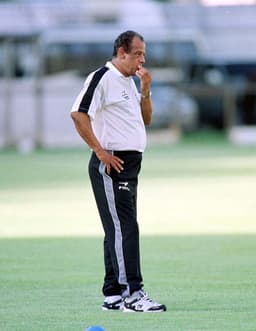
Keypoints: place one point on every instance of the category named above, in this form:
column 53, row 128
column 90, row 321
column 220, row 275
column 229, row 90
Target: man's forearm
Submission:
column 83, row 126
column 146, row 108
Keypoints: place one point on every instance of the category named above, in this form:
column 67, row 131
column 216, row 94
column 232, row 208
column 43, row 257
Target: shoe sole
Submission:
column 107, row 309
column 126, row 310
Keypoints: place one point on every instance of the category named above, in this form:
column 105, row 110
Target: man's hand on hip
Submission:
column 110, row 160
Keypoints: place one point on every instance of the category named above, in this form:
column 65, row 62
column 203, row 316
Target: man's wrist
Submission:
column 146, row 94
column 97, row 150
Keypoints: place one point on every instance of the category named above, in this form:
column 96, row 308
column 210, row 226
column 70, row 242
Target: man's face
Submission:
column 134, row 60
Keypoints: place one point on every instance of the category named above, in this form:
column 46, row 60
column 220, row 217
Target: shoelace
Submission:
column 145, row 297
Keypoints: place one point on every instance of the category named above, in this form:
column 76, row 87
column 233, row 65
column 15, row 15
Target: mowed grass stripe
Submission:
column 183, row 189
column 207, row 283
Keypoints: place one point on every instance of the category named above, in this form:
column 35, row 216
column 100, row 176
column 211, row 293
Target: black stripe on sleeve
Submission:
column 87, row 98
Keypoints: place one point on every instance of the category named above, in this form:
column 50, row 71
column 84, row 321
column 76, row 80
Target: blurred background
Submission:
column 197, row 206
column 202, row 55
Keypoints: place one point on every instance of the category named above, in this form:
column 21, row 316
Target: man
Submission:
column 110, row 115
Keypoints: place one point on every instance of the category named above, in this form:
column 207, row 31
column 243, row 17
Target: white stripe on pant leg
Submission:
column 108, row 185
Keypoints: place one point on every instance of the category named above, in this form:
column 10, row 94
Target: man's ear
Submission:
column 121, row 52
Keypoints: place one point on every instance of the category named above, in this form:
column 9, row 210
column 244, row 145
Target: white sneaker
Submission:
column 140, row 302
column 113, row 302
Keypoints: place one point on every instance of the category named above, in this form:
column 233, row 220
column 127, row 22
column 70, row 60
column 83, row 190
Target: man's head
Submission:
column 129, row 52
column 125, row 40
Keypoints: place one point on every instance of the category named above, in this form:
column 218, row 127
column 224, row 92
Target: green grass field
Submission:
column 197, row 214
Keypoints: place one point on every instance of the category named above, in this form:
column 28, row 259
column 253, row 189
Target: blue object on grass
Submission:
column 94, row 328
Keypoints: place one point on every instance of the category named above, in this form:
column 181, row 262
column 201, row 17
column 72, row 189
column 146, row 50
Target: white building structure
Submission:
column 35, row 110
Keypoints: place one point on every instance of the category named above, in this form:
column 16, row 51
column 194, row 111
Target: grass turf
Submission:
column 207, row 283
column 203, row 185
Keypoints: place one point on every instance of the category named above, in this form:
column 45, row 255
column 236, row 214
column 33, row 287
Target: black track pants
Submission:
column 116, row 198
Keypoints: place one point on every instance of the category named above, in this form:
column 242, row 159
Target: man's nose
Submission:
column 142, row 59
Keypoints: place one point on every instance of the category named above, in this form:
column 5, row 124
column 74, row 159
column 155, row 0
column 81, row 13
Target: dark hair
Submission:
column 125, row 40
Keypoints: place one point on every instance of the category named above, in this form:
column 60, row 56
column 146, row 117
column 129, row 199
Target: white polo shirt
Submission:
column 113, row 103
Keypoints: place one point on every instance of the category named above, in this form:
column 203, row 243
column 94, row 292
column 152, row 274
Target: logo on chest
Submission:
column 125, row 95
